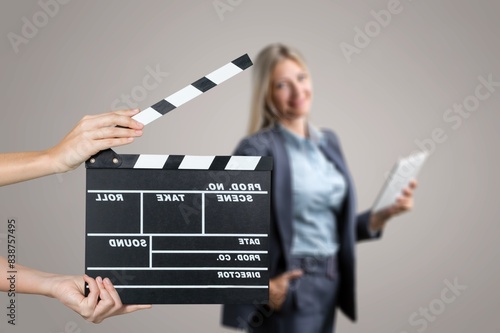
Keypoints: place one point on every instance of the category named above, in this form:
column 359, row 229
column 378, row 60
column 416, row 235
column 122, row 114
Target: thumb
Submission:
column 295, row 274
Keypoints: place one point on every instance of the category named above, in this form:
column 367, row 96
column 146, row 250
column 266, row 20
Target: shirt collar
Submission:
column 315, row 136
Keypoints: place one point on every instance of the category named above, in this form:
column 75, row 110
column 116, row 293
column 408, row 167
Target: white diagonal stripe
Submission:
column 150, row 161
column 222, row 74
column 183, row 95
column 242, row 163
column 196, row 162
column 146, row 116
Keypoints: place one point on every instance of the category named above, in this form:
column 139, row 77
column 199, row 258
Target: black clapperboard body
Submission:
column 172, row 229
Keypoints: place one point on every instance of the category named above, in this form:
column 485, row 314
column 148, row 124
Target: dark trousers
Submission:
column 310, row 303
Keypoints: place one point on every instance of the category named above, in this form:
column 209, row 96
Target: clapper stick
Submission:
column 193, row 90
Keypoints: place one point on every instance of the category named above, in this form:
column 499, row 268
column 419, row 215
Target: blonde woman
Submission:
column 314, row 223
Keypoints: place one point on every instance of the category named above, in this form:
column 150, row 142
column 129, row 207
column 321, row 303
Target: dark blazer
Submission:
column 350, row 226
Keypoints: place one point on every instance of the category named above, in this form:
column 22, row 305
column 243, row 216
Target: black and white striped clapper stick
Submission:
column 193, row 90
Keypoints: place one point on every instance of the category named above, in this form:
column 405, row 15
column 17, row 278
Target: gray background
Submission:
column 395, row 91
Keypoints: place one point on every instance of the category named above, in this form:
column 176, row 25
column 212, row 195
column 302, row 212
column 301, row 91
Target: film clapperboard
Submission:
column 173, row 229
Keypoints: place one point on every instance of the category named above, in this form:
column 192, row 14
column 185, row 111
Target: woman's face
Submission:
column 291, row 89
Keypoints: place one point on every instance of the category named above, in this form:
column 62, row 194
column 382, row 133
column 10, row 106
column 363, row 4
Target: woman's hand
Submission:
column 102, row 302
column 93, row 134
column 403, row 203
column 278, row 287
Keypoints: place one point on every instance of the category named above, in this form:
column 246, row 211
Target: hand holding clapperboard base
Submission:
column 170, row 229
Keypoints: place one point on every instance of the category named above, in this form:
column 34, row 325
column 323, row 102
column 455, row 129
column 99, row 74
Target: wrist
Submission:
column 52, row 160
column 48, row 285
column 377, row 222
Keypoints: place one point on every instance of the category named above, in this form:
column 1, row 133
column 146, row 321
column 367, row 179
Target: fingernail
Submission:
column 98, row 279
column 138, row 132
column 107, row 281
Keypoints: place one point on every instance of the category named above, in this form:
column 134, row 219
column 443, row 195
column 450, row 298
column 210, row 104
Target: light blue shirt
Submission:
column 319, row 190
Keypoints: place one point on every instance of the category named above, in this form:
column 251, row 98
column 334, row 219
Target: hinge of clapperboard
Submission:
column 109, row 159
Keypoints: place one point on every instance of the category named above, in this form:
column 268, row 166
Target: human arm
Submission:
column 102, row 302
column 279, row 285
column 91, row 135
column 404, row 203
column 370, row 225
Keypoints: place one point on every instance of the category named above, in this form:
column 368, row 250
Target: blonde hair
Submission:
column 263, row 113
